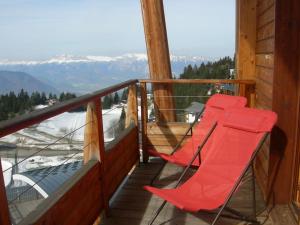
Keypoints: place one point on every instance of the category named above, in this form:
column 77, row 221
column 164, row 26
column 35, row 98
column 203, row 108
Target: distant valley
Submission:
column 85, row 74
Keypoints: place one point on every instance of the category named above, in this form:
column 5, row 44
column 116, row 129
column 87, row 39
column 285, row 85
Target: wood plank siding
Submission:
column 264, row 67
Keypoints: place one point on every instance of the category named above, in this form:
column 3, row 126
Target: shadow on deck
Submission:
column 133, row 205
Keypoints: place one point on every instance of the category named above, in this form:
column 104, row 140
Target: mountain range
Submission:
column 15, row 81
column 89, row 73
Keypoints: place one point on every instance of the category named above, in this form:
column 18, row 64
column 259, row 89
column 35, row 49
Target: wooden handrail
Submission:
column 245, row 88
column 198, row 81
column 26, row 120
column 125, row 154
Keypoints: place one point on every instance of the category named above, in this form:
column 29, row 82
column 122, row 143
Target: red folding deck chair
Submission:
column 214, row 109
column 237, row 139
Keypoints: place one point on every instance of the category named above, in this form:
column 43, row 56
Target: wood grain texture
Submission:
column 265, row 37
column 165, row 137
column 246, row 39
column 266, row 17
column 132, row 110
column 133, row 205
column 285, row 97
column 266, row 32
column 120, row 159
column 158, row 55
column 91, row 145
column 199, row 81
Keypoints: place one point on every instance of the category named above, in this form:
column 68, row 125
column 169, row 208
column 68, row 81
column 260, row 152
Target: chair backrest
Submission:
column 214, row 111
column 235, row 140
column 217, row 103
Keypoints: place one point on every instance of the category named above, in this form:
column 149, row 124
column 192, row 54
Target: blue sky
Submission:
column 40, row 29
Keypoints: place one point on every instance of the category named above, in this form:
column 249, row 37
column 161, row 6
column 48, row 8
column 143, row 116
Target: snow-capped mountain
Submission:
column 83, row 74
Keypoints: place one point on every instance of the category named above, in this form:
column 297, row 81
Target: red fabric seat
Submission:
column 214, row 110
column 236, row 138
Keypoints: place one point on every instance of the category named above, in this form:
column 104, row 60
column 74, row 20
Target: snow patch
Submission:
column 6, row 166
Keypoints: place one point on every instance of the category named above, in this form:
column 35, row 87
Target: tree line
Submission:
column 12, row 104
column 110, row 100
column 198, row 92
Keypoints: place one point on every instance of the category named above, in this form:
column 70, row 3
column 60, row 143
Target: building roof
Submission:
column 49, row 179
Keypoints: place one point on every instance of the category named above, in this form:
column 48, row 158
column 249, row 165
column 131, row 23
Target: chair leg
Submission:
column 240, row 179
column 157, row 213
column 253, row 192
column 158, row 173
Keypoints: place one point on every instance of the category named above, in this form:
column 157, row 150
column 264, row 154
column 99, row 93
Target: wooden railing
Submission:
column 166, row 134
column 86, row 195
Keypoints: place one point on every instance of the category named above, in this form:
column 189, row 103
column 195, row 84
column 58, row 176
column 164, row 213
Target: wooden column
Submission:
column 245, row 39
column 285, row 97
column 4, row 212
column 158, row 56
column 132, row 110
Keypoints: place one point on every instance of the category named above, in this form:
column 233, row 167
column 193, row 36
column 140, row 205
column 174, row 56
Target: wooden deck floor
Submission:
column 133, row 206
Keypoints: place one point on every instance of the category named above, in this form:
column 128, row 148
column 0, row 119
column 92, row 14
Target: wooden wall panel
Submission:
column 265, row 40
column 164, row 137
column 120, row 159
column 265, row 46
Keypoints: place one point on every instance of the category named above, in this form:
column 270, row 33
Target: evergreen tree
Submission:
column 211, row 70
column 116, row 98
column 43, row 99
column 107, row 102
column 124, row 94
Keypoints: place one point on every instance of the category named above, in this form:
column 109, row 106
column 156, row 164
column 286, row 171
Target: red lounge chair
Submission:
column 237, row 139
column 214, row 109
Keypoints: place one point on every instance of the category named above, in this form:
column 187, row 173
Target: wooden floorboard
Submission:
column 135, row 206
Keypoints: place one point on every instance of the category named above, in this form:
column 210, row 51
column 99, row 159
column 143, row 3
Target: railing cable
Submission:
column 51, row 171
column 47, row 146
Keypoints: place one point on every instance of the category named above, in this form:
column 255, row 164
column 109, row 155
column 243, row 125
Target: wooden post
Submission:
column 91, row 140
column 144, row 118
column 94, row 142
column 248, row 91
column 158, row 56
column 132, row 110
column 4, row 212
column 246, row 39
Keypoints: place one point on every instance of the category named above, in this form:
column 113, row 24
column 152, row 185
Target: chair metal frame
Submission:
column 234, row 213
column 198, row 115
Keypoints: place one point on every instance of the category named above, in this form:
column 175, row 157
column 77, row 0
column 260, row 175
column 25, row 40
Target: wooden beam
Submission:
column 246, row 39
column 4, row 212
column 200, row 81
column 158, row 56
column 285, row 96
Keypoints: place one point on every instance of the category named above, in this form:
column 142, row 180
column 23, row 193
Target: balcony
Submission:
column 105, row 186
